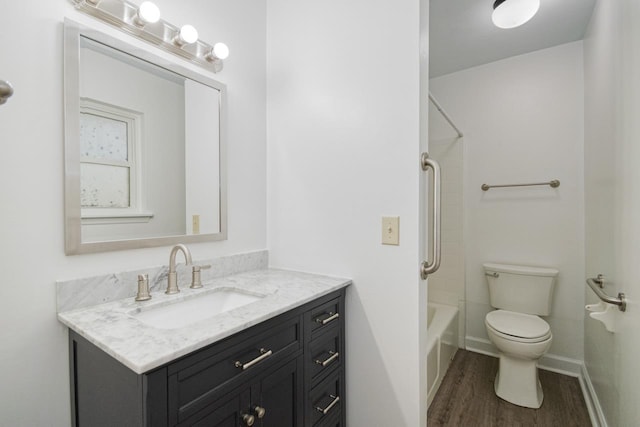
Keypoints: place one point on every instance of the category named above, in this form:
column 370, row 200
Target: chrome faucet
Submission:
column 172, row 287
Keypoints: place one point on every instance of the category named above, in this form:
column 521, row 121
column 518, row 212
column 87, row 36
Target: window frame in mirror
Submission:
column 73, row 32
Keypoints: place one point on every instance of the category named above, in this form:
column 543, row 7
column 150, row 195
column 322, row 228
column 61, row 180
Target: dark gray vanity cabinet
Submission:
column 286, row 371
column 273, row 400
column 324, row 363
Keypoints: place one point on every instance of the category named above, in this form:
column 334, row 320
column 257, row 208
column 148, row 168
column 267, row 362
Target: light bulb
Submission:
column 188, row 34
column 148, row 13
column 513, row 13
column 220, row 50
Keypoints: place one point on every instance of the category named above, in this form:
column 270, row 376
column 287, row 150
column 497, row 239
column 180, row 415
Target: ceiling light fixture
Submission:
column 513, row 13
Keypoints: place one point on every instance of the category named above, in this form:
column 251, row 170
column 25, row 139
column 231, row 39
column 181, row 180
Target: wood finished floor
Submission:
column 466, row 398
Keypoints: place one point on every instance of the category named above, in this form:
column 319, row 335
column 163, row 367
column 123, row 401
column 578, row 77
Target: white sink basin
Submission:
column 185, row 312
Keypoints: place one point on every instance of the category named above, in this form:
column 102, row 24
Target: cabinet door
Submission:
column 229, row 413
column 199, row 380
column 279, row 394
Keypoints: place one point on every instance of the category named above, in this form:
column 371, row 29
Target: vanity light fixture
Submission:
column 513, row 13
column 187, row 35
column 144, row 22
column 148, row 13
column 219, row 51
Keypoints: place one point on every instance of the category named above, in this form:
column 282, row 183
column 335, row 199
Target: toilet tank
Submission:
column 523, row 289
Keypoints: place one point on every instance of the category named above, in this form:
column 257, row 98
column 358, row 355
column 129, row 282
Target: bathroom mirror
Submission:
column 144, row 148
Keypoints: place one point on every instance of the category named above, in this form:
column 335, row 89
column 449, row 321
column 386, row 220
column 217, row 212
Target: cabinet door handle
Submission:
column 248, row 420
column 263, row 355
column 331, row 318
column 260, row 411
column 324, row 411
column 334, row 356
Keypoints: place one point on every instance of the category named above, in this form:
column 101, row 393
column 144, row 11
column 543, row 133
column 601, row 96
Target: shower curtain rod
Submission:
column 445, row 115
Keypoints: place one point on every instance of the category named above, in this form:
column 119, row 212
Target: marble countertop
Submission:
column 113, row 328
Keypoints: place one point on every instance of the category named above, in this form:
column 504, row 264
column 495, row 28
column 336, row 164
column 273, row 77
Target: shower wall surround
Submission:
column 447, row 285
column 85, row 292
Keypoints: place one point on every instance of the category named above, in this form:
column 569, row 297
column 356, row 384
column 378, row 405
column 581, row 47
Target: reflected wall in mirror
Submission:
column 144, row 148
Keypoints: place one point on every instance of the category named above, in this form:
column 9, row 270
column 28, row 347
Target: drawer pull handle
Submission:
column 334, row 356
column 324, row 411
column 263, row 355
column 331, row 318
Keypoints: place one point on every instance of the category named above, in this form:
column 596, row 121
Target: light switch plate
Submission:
column 196, row 224
column 391, row 230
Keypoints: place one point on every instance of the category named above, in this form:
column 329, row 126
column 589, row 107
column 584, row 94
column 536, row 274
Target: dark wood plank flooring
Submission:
column 466, row 398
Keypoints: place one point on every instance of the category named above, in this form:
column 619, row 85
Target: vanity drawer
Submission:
column 324, row 316
column 325, row 353
column 326, row 400
column 197, row 381
column 334, row 421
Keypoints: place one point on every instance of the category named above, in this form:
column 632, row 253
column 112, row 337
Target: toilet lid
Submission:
column 518, row 324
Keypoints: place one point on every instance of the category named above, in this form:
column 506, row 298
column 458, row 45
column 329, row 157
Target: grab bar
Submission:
column 596, row 282
column 554, row 183
column 427, row 268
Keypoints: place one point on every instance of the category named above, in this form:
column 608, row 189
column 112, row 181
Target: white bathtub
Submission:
column 442, row 344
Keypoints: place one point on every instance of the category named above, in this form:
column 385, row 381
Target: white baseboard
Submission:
column 558, row 364
column 591, row 398
column 561, row 365
column 480, row 345
column 549, row 362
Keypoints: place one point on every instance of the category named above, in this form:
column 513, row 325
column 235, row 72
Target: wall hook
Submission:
column 6, row 90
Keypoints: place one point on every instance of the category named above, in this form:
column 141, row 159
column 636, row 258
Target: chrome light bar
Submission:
column 138, row 22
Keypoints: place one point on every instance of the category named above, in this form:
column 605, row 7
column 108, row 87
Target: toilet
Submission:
column 520, row 294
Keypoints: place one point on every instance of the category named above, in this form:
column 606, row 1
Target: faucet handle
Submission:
column 196, row 280
column 143, row 288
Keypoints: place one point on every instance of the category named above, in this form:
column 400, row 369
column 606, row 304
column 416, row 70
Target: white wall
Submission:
column 523, row 122
column 34, row 356
column 612, row 177
column 202, row 157
column 602, row 105
column 343, row 149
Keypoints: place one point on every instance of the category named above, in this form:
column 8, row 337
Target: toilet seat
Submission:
column 519, row 327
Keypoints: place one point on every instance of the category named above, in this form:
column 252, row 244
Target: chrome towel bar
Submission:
column 595, row 283
column 553, row 184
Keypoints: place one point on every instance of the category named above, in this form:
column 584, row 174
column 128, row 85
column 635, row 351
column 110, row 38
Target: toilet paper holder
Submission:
column 596, row 284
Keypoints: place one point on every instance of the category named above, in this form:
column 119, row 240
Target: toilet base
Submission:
column 517, row 382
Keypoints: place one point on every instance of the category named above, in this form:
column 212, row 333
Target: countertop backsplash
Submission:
column 85, row 292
